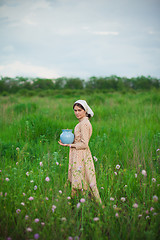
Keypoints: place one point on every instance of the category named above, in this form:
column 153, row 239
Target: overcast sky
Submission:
column 79, row 38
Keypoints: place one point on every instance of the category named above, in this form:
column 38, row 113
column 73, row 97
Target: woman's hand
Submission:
column 62, row 144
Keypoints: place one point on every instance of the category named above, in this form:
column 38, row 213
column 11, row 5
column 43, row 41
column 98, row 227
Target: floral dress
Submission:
column 81, row 172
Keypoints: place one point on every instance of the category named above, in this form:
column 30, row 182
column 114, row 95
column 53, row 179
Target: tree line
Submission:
column 14, row 85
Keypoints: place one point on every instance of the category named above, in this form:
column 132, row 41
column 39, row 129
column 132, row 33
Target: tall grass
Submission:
column 126, row 134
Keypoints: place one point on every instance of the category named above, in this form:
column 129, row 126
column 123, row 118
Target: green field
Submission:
column 126, row 132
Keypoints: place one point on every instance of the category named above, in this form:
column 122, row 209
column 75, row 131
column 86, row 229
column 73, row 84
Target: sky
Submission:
column 79, row 38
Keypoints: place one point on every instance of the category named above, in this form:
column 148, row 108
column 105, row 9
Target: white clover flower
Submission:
column 123, row 199
column 144, row 173
column 22, row 203
column 29, row 229
column 53, row 208
column 118, row 166
column 47, row 179
column 111, row 199
column 60, row 191
column 27, row 174
column 63, row 219
column 155, row 198
column 41, row 164
column 31, row 198
column 96, row 219
column 135, row 205
column 7, row 179
column 135, row 175
column 78, row 205
column 153, row 180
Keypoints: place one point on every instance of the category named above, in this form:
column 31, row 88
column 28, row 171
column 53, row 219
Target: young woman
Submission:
column 81, row 172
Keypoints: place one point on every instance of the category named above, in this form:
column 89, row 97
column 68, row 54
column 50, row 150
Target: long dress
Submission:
column 81, row 171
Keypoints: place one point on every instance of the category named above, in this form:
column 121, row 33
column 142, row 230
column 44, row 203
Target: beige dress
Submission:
column 81, row 172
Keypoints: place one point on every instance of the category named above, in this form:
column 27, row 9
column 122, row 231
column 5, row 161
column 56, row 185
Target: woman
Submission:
column 81, row 172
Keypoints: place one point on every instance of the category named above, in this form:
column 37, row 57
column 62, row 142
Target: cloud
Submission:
column 17, row 68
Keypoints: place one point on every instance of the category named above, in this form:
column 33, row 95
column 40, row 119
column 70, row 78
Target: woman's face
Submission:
column 79, row 112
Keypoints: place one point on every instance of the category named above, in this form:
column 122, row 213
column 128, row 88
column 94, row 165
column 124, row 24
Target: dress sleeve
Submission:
column 85, row 136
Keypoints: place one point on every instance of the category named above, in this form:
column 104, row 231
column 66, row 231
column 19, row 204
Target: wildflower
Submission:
column 140, row 215
column 157, row 150
column 47, row 198
column 18, row 211
column 53, row 208
column 114, row 206
column 135, row 175
column 0, row 170
column 29, row 229
column 154, row 214
column 24, row 194
column 30, row 198
column 7, row 179
column 82, row 200
column 16, row 163
column 147, row 211
column 78, row 205
column 155, row 198
column 35, row 187
column 125, row 186
column 117, row 166
column 70, row 238
column 5, row 194
column 68, row 198
column 36, row 220
column 26, row 217
column 57, row 163
column 9, row 238
column 41, row 164
column 147, row 217
column 63, row 219
column 153, row 180
column 31, row 181
column 116, row 215
column 27, row 174
column 47, row 179
column 42, row 223
column 111, row 199
column 36, row 235
column 123, row 199
column 135, row 205
column 151, row 209
column 96, row 219
column 95, row 159
column 57, row 200
column 144, row 173
column 17, row 148
column 102, row 187
column 22, row 203
column 60, row 191
column 1, row 193
column 115, row 173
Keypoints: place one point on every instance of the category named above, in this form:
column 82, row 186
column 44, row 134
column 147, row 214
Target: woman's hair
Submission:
column 79, row 105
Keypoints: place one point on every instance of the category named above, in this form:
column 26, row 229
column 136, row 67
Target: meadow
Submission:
column 35, row 201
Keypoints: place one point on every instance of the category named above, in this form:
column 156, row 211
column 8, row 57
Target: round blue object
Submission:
column 67, row 137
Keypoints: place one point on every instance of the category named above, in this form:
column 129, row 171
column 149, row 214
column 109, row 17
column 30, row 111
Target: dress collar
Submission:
column 82, row 119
